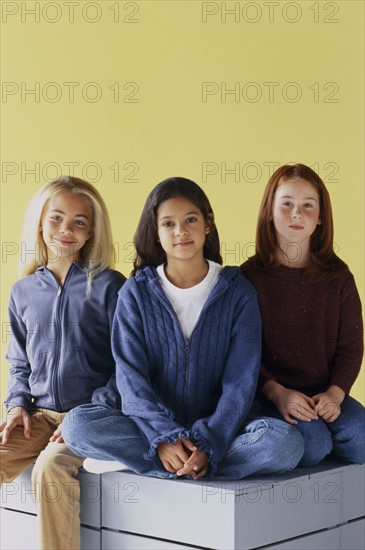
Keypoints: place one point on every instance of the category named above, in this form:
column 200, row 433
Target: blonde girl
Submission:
column 60, row 315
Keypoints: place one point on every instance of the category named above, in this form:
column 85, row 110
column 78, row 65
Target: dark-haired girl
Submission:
column 311, row 314
column 187, row 343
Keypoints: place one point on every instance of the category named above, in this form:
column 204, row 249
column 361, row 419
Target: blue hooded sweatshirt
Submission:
column 201, row 388
column 60, row 349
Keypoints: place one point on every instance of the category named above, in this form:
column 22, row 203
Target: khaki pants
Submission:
column 56, row 490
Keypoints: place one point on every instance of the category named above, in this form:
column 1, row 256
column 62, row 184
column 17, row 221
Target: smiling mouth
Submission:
column 63, row 241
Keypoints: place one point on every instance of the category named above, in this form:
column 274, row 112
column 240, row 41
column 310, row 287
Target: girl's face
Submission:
column 66, row 225
column 296, row 212
column 181, row 229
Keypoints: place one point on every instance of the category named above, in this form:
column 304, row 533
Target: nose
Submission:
column 180, row 230
column 66, row 228
column 296, row 212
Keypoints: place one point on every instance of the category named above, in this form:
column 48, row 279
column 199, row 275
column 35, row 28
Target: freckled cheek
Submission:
column 280, row 216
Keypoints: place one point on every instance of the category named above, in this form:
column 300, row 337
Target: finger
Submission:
column 308, row 411
column 176, row 463
column 193, row 460
column 329, row 412
column 201, row 473
column 289, row 419
column 196, row 461
column 311, row 402
column 6, row 433
column 2, row 426
column 168, row 466
column 327, row 419
column 188, row 468
column 55, row 435
column 181, row 456
column 328, row 409
column 188, row 444
column 171, row 455
column 297, row 413
column 304, row 416
column 333, row 417
column 298, row 410
column 59, row 439
column 325, row 416
column 185, row 471
column 27, row 426
column 322, row 408
column 194, row 466
column 309, row 414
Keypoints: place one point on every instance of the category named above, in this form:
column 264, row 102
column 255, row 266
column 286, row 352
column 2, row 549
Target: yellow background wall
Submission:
column 128, row 93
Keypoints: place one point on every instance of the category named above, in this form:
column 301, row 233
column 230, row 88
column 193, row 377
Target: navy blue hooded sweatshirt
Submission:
column 201, row 388
column 60, row 349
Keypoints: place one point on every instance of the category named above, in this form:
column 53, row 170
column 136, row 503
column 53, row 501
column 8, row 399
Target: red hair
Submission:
column 322, row 256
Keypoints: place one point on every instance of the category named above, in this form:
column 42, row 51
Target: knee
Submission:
column 47, row 466
column 350, row 446
column 317, row 443
column 358, row 454
column 68, row 427
column 289, row 444
column 43, row 471
column 73, row 426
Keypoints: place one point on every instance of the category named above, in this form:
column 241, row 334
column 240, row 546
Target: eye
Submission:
column 308, row 205
column 192, row 219
column 288, row 204
column 167, row 224
column 79, row 222
column 56, row 218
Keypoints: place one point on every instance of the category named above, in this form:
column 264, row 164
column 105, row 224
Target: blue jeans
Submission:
column 344, row 438
column 264, row 445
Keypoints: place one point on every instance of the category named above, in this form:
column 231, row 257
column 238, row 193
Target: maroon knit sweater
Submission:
column 312, row 330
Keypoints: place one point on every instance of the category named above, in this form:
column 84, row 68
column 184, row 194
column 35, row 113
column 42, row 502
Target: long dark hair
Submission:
column 148, row 250
column 322, row 255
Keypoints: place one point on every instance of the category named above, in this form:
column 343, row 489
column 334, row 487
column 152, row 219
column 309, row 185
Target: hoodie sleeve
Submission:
column 139, row 400
column 18, row 386
column 215, row 433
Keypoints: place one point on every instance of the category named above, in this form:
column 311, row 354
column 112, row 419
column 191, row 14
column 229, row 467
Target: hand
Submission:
column 328, row 403
column 57, row 437
column 174, row 456
column 197, row 465
column 291, row 403
column 18, row 416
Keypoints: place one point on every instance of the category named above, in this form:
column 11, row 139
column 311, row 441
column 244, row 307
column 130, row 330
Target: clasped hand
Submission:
column 295, row 405
column 183, row 458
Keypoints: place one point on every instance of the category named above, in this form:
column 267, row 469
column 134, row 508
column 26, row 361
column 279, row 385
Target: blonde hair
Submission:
column 96, row 255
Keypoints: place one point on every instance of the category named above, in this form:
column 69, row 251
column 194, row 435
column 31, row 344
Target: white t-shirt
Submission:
column 188, row 302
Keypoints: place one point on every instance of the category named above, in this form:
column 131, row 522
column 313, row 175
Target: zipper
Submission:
column 187, row 341
column 187, row 350
column 55, row 385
